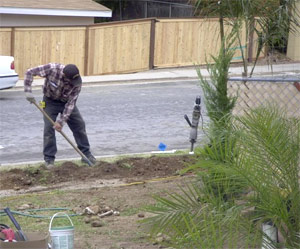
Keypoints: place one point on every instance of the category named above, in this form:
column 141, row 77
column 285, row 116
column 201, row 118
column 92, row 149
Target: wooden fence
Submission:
column 293, row 51
column 117, row 47
column 5, row 41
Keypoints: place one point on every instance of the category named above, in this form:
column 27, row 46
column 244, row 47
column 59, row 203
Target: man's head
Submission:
column 71, row 72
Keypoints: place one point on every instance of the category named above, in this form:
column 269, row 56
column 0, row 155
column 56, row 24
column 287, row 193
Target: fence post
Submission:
column 86, row 51
column 152, row 43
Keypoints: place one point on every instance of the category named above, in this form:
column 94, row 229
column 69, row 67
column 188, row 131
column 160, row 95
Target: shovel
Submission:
column 63, row 134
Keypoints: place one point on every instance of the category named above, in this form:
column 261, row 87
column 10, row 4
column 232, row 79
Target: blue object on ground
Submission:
column 162, row 146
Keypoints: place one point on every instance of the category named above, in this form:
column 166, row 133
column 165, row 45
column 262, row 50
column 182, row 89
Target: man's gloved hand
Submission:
column 30, row 97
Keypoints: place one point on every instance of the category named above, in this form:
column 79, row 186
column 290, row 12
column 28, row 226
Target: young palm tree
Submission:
column 265, row 173
column 270, row 163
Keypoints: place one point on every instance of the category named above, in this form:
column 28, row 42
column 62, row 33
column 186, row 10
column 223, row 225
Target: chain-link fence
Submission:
column 282, row 91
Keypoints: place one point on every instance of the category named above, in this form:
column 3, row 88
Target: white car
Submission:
column 8, row 75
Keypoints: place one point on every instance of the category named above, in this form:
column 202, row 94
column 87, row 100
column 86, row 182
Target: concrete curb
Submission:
column 173, row 74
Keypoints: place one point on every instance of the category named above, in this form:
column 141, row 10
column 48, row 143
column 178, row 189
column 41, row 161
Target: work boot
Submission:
column 49, row 164
column 92, row 159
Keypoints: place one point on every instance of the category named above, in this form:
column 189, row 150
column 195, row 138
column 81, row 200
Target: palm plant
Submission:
column 270, row 163
column 266, row 171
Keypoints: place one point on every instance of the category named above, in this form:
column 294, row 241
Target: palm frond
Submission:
column 270, row 163
column 173, row 209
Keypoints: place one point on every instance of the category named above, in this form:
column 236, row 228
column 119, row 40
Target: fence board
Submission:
column 5, row 41
column 37, row 46
column 119, row 48
column 183, row 42
column 293, row 50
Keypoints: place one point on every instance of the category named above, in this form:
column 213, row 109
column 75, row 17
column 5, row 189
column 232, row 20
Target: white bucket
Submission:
column 61, row 237
column 269, row 235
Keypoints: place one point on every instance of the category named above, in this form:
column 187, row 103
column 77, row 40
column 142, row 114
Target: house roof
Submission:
column 54, row 7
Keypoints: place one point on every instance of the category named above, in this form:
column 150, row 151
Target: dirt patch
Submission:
column 127, row 169
column 133, row 181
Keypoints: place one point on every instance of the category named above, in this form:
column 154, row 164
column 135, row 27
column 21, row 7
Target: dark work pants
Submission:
column 75, row 122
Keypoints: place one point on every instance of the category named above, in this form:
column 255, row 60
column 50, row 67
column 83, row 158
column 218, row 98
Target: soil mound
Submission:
column 128, row 169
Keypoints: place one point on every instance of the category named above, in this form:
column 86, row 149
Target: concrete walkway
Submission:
column 182, row 73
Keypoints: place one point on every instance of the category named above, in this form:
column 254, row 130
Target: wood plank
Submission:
column 6, row 41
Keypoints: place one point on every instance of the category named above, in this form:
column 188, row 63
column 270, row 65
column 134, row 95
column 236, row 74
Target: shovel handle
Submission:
column 63, row 134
